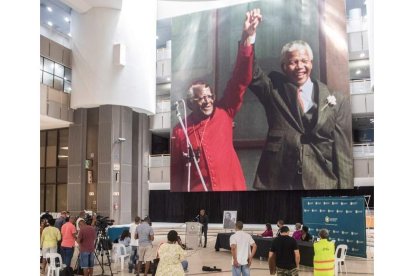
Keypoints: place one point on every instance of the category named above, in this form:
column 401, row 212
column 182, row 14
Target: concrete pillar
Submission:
column 113, row 56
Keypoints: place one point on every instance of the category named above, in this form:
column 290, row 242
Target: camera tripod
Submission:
column 102, row 246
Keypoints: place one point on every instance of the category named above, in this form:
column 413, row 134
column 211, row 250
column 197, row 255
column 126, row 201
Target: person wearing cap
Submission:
column 324, row 258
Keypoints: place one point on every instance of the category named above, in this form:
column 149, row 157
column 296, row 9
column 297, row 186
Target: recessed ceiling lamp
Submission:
column 49, row 9
column 69, row 34
column 156, row 37
column 49, row 23
column 362, row 55
column 67, row 19
column 358, row 72
column 168, row 79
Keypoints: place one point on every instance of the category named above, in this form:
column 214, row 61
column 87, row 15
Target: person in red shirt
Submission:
column 68, row 232
column 268, row 232
column 210, row 128
column 86, row 241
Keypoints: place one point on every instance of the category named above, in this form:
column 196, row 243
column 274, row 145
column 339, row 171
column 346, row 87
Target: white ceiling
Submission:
column 47, row 122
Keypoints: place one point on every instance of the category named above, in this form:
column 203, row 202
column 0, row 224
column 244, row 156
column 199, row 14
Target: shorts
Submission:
column 87, row 259
column 48, row 250
column 145, row 253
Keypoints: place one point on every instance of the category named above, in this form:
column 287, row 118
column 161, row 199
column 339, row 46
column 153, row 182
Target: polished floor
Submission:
column 200, row 257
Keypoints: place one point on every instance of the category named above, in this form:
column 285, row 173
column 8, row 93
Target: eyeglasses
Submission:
column 204, row 98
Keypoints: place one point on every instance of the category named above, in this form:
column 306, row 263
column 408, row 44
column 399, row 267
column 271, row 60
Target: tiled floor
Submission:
column 222, row 259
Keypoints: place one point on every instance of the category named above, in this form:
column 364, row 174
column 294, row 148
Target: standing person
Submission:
column 86, row 240
column 309, row 140
column 203, row 219
column 68, row 241
column 61, row 220
column 134, row 244
column 284, row 255
column 210, row 128
column 280, row 223
column 145, row 235
column 243, row 249
column 324, row 258
column 49, row 242
column 171, row 256
column 80, row 217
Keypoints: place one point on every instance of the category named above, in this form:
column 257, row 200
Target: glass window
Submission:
column 51, row 149
column 51, row 175
column 51, row 198
column 68, row 74
column 42, row 176
column 58, row 83
column 59, row 71
column 42, row 198
column 68, row 87
column 63, row 149
column 48, row 65
column 62, row 197
column 41, row 63
column 41, row 76
column 48, row 79
column 42, row 149
column 62, row 175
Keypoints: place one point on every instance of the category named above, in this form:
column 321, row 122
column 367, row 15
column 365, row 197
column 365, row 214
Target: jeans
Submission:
column 240, row 270
column 133, row 258
column 185, row 265
column 67, row 254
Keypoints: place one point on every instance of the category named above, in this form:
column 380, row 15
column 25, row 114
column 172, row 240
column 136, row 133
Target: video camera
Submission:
column 103, row 222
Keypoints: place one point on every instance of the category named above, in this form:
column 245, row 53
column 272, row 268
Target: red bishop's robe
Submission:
column 213, row 137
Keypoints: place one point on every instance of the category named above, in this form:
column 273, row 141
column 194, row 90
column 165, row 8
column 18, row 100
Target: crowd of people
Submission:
column 63, row 235
column 67, row 232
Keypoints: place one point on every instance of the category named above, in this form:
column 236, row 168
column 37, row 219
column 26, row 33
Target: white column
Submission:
column 98, row 78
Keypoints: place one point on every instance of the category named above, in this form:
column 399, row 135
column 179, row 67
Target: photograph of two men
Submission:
column 260, row 98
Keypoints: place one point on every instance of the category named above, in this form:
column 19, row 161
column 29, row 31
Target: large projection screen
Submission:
column 276, row 146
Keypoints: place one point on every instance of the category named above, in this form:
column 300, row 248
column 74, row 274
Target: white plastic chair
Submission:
column 119, row 254
column 53, row 268
column 340, row 255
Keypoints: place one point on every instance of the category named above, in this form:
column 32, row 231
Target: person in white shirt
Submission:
column 134, row 244
column 243, row 249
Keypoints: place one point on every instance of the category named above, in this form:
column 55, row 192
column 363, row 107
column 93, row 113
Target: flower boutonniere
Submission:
column 330, row 100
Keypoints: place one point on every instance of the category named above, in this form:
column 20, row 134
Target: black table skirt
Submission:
column 263, row 247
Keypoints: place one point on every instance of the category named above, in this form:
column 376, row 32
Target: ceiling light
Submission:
column 362, row 55
column 49, row 9
column 62, row 156
column 358, row 72
column 49, row 23
column 64, row 148
column 69, row 34
column 157, row 37
column 67, row 19
column 168, row 79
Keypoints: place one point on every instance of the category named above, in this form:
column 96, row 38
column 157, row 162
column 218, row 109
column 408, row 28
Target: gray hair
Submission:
column 296, row 45
column 323, row 233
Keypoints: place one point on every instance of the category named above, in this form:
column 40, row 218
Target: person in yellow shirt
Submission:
column 49, row 242
column 324, row 259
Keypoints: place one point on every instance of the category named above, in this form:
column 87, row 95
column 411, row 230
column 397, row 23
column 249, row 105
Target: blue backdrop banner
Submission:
column 344, row 217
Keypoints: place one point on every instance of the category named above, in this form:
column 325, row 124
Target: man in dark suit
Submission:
column 308, row 144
